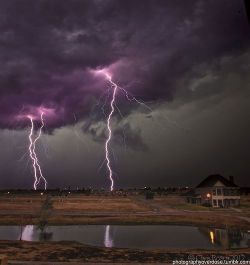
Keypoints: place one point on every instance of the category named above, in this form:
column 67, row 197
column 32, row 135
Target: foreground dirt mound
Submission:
column 72, row 251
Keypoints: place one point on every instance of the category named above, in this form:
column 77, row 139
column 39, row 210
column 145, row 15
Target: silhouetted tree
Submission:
column 45, row 212
column 21, row 226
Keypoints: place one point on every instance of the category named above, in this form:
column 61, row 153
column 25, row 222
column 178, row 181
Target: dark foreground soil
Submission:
column 76, row 252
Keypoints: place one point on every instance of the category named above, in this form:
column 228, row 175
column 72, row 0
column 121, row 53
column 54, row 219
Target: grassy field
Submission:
column 134, row 210
column 245, row 203
column 104, row 203
column 71, row 203
column 81, row 209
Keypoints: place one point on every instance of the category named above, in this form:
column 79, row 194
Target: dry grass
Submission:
column 245, row 202
column 99, row 204
column 113, row 210
column 180, row 203
column 81, row 209
column 72, row 203
column 76, row 252
column 204, row 219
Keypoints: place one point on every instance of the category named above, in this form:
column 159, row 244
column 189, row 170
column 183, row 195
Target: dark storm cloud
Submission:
column 126, row 135
column 47, row 48
column 123, row 134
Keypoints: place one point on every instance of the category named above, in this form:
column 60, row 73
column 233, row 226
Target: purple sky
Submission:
column 189, row 60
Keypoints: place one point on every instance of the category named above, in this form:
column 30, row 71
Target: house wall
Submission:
column 219, row 196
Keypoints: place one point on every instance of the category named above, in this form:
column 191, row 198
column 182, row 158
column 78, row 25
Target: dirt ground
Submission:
column 76, row 252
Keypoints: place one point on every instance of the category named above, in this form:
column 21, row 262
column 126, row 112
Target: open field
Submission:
column 81, row 209
column 72, row 203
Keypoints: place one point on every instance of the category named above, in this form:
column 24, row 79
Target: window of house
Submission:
column 214, row 192
column 215, row 202
column 219, row 192
column 220, row 203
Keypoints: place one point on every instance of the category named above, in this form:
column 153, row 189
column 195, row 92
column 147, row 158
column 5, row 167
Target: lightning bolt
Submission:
column 107, row 151
column 115, row 87
column 129, row 97
column 38, row 175
column 31, row 151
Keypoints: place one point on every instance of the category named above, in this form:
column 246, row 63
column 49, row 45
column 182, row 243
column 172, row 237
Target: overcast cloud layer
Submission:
column 189, row 60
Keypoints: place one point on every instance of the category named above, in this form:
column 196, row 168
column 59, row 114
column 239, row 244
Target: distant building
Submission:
column 215, row 191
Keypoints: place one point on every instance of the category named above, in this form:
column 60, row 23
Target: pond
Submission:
column 137, row 236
